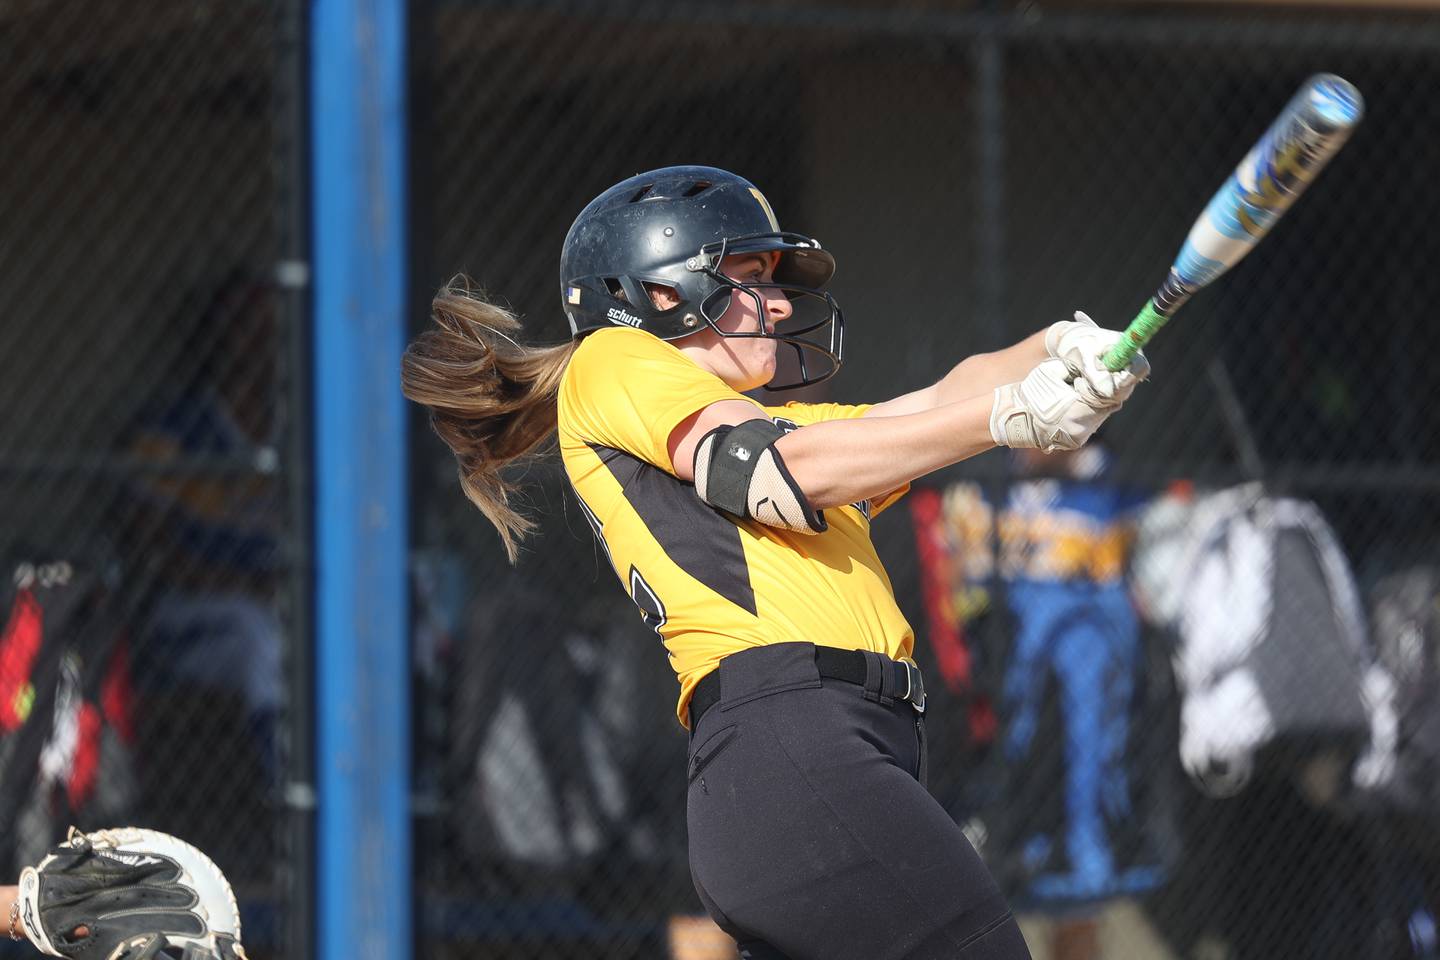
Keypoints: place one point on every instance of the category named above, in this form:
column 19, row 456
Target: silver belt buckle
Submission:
column 914, row 684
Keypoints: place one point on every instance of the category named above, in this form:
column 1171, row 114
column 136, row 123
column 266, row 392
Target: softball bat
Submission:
column 1310, row 130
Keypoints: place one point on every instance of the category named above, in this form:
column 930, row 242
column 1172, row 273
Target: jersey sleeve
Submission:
column 801, row 414
column 628, row 390
column 880, row 504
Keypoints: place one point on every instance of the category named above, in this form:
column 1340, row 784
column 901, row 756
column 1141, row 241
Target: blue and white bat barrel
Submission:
column 1313, row 126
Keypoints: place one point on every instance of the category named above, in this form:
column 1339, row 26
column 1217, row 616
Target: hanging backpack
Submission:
column 1272, row 642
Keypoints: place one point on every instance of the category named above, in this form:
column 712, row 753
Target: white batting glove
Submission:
column 1080, row 344
column 1046, row 411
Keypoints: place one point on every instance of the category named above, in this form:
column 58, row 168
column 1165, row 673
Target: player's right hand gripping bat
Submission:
column 1313, row 126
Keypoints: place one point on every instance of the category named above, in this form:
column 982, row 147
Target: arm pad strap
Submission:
column 738, row 470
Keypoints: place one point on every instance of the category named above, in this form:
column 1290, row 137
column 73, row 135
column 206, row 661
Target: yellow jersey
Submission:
column 707, row 583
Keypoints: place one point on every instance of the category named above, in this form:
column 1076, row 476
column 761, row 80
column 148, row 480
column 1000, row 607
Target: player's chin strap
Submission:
column 738, row 470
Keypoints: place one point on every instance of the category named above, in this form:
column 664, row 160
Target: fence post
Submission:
column 358, row 145
column 292, row 274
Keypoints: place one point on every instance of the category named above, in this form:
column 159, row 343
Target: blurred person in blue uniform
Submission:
column 1065, row 536
column 211, row 502
column 203, row 528
column 1057, row 807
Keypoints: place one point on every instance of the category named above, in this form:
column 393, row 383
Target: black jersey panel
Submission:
column 699, row 539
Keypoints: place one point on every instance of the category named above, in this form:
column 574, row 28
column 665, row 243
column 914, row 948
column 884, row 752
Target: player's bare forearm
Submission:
column 974, row 376
column 842, row 461
column 980, row 374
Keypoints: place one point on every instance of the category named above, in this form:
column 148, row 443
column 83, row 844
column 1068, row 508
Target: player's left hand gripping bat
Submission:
column 1312, row 128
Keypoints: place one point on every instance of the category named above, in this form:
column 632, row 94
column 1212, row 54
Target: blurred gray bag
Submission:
column 1272, row 641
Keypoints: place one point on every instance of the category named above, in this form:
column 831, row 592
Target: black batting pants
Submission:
column 812, row 836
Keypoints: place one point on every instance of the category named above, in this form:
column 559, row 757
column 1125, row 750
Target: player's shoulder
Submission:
column 618, row 373
column 596, row 357
column 637, row 361
column 619, row 343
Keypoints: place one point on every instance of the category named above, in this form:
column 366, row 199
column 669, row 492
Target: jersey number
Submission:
column 652, row 611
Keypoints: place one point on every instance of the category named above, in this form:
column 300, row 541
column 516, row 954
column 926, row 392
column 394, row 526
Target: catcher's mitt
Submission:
column 157, row 946
column 127, row 893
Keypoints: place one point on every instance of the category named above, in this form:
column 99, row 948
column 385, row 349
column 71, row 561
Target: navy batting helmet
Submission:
column 670, row 229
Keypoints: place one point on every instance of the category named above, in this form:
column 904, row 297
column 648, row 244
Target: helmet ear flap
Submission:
column 662, row 296
column 631, row 291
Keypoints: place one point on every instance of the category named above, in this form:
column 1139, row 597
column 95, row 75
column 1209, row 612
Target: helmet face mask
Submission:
column 814, row 333
column 671, row 229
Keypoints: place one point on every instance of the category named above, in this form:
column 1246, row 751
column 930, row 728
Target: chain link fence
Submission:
column 146, row 470
column 1234, row 754
column 1236, row 757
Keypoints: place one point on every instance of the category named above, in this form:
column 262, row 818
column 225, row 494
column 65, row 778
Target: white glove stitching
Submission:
column 1045, row 411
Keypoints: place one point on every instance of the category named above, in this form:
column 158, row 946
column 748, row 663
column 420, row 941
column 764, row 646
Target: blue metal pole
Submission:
column 359, row 132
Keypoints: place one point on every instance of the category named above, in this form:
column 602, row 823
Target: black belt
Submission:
column 833, row 664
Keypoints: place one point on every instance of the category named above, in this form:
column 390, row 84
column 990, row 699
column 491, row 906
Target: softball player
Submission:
column 741, row 531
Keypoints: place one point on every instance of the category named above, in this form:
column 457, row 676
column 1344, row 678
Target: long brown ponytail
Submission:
column 491, row 399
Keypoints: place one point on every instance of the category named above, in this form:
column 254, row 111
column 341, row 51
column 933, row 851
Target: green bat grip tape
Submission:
column 1141, row 329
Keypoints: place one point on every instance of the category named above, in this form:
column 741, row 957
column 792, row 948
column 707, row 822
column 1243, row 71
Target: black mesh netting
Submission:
column 145, row 467
column 1184, row 684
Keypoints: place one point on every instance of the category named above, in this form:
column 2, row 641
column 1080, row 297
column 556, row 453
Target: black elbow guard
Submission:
column 738, row 470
